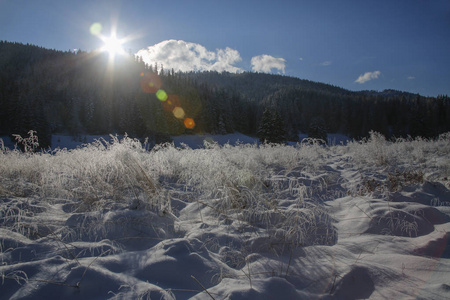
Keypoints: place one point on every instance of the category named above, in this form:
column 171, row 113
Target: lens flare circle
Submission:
column 150, row 83
column 189, row 123
column 179, row 113
column 161, row 95
column 96, row 28
column 171, row 103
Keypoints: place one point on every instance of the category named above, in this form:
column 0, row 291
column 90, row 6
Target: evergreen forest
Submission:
column 76, row 93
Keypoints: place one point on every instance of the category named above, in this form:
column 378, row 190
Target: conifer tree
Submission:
column 271, row 129
column 317, row 129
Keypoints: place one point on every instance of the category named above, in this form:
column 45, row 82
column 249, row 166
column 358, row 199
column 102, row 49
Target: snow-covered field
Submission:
column 111, row 220
column 193, row 141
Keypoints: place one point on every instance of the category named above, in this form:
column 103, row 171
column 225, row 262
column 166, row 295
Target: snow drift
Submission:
column 111, row 220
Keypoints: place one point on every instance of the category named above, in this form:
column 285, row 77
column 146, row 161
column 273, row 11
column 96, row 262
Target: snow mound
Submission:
column 116, row 221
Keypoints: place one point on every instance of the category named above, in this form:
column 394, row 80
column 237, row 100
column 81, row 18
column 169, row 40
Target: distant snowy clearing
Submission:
column 112, row 220
column 192, row 141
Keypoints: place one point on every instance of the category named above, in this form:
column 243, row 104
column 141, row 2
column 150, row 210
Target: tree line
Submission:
column 80, row 93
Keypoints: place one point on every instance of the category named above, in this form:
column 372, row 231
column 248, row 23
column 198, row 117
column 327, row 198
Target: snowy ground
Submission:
column 193, row 141
column 364, row 220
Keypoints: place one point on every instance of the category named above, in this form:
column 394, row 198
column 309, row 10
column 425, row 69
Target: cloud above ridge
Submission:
column 368, row 76
column 185, row 56
column 265, row 63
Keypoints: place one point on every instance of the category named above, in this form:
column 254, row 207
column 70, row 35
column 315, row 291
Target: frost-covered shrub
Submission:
column 30, row 143
column 273, row 187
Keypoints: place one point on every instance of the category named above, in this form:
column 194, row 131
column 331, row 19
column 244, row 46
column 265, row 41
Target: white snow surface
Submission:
column 192, row 141
column 365, row 220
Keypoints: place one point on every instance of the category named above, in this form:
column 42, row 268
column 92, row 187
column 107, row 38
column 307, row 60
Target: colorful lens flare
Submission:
column 150, row 83
column 161, row 95
column 189, row 123
column 178, row 112
column 95, row 29
column 171, row 103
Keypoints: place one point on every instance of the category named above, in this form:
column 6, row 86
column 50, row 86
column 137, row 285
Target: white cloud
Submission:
column 411, row 77
column 326, row 63
column 368, row 76
column 225, row 60
column 301, row 58
column 185, row 56
column 265, row 63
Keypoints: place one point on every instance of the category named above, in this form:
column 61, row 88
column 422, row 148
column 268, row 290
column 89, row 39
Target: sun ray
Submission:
column 113, row 45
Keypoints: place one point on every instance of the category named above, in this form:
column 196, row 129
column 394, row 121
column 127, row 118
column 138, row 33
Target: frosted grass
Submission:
column 242, row 181
column 219, row 213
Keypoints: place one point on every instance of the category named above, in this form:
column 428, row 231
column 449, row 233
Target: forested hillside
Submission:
column 88, row 93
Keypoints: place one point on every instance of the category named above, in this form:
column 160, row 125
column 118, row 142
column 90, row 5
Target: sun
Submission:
column 113, row 45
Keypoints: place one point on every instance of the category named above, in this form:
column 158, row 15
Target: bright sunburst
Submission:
column 113, row 45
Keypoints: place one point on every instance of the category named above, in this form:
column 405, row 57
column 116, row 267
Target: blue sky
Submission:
column 358, row 45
